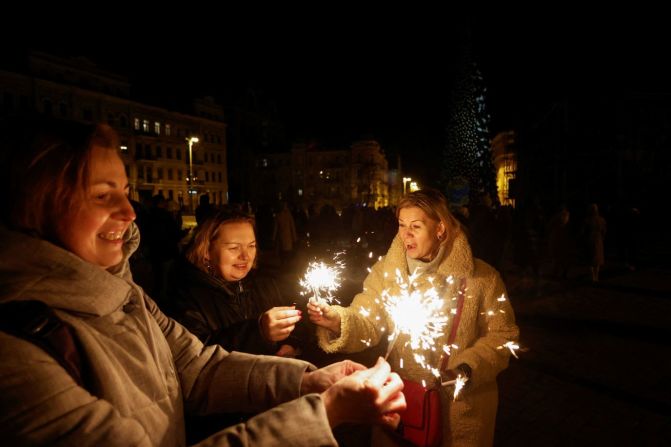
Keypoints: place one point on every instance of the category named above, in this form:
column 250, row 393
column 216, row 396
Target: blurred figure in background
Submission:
column 594, row 231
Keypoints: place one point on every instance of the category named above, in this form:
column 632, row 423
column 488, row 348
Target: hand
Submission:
column 288, row 351
column 321, row 314
column 278, row 322
column 319, row 380
column 367, row 396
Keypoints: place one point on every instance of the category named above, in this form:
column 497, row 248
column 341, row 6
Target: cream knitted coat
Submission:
column 487, row 322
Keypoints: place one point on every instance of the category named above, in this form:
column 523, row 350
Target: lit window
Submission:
column 157, row 128
column 136, row 123
column 168, row 131
column 145, row 125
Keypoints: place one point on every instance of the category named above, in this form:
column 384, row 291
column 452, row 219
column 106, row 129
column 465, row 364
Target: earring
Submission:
column 209, row 267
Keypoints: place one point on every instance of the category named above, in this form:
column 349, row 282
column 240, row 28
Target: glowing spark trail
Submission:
column 512, row 347
column 417, row 314
column 458, row 383
column 321, row 278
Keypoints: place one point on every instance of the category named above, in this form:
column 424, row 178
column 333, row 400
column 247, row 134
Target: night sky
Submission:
column 392, row 84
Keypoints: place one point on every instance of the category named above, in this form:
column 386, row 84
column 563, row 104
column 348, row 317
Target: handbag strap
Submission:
column 455, row 321
column 36, row 322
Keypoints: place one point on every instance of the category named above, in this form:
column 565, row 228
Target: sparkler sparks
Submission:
column 322, row 280
column 512, row 347
column 417, row 314
column 459, row 384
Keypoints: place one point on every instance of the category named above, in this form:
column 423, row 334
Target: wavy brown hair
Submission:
column 207, row 232
column 436, row 206
column 46, row 169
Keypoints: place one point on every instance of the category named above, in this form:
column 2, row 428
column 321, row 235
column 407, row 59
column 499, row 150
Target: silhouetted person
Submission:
column 204, row 209
column 594, row 230
column 284, row 233
column 163, row 234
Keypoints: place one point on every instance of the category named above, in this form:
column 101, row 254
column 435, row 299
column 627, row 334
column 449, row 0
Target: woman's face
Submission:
column 419, row 233
column 233, row 251
column 93, row 229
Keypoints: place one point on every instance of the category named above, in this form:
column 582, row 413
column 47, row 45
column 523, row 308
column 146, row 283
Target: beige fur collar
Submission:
column 458, row 262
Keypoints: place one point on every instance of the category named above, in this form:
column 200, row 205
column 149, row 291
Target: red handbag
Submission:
column 421, row 421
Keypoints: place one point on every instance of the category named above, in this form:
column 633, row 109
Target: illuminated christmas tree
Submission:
column 467, row 158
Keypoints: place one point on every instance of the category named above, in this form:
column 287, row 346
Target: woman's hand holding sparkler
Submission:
column 366, row 396
column 321, row 314
column 278, row 322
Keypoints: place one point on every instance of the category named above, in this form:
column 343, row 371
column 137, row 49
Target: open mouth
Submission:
column 113, row 236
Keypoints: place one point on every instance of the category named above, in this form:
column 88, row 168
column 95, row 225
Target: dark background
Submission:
column 339, row 76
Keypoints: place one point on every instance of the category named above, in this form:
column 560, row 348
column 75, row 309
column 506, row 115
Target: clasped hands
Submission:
column 356, row 394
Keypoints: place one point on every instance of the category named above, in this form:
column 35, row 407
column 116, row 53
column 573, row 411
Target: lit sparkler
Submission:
column 417, row 314
column 322, row 280
column 459, row 384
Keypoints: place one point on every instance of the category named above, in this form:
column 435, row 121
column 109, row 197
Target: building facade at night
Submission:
column 311, row 175
column 505, row 163
column 153, row 140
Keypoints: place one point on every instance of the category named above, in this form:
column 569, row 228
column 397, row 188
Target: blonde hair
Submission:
column 47, row 170
column 199, row 249
column 436, row 207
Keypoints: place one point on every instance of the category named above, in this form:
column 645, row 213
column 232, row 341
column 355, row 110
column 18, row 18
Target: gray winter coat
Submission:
column 145, row 369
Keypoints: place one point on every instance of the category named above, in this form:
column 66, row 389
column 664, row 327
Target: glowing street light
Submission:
column 405, row 181
column 190, row 141
column 414, row 187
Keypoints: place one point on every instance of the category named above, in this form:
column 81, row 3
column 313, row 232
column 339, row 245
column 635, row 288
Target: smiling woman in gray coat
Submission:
column 66, row 234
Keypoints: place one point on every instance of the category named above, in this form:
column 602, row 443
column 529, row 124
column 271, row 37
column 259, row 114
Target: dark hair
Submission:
column 208, row 231
column 45, row 164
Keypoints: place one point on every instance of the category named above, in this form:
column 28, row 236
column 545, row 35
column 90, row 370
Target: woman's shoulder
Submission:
column 484, row 271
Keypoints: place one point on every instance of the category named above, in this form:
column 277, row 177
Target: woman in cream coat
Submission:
column 430, row 243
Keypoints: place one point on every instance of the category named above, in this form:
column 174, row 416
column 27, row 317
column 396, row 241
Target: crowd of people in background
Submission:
column 532, row 240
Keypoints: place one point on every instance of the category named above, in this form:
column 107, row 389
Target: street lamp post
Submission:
column 190, row 141
column 405, row 182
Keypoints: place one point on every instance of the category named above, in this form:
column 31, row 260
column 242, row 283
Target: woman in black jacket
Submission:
column 220, row 301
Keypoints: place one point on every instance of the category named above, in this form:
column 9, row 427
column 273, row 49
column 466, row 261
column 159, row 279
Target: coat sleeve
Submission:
column 243, row 336
column 41, row 404
column 359, row 331
column 494, row 326
column 215, row 381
